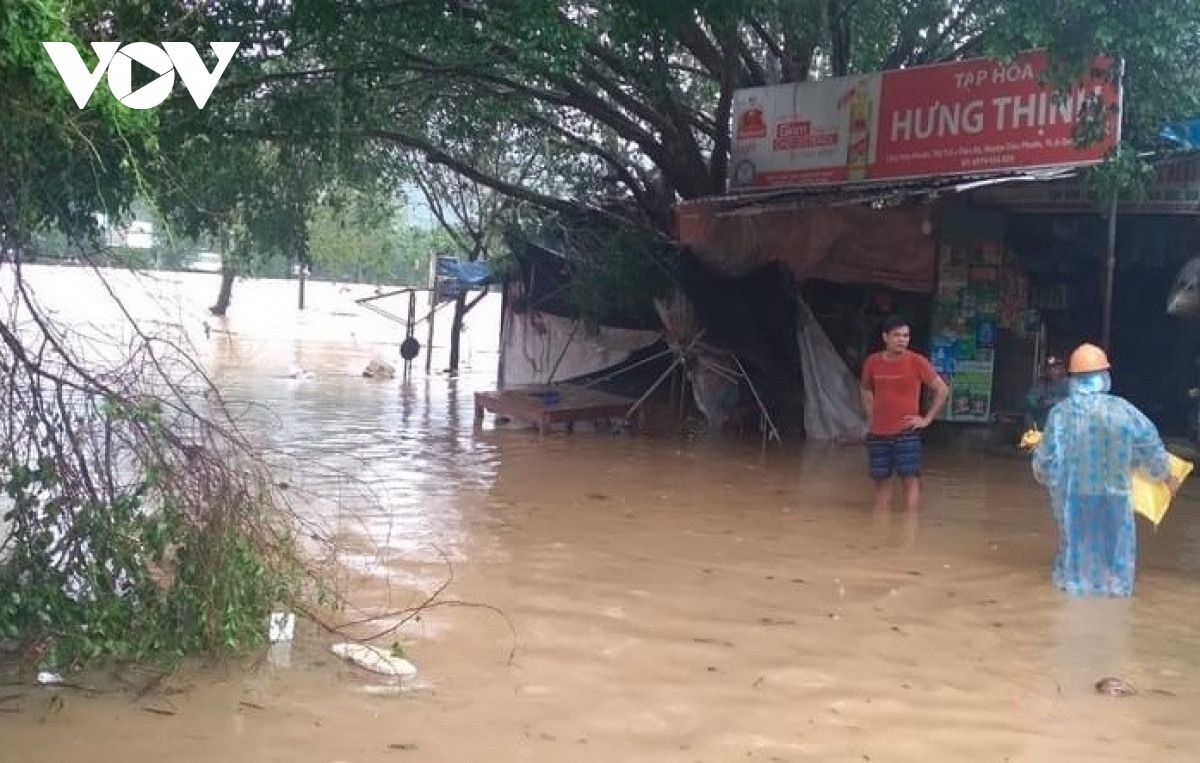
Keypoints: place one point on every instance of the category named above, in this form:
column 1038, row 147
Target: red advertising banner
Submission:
column 965, row 117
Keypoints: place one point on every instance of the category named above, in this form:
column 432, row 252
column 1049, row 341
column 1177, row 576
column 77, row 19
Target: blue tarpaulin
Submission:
column 455, row 276
column 474, row 274
column 1186, row 134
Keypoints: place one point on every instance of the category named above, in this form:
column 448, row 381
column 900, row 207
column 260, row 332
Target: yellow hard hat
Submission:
column 1088, row 358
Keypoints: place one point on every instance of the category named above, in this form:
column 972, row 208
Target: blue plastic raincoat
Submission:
column 1092, row 443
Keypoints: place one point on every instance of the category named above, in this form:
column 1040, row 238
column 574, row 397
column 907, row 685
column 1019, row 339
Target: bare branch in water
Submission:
column 142, row 516
column 142, row 521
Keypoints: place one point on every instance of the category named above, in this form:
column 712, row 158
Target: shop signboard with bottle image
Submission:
column 858, row 140
column 963, row 117
column 822, row 135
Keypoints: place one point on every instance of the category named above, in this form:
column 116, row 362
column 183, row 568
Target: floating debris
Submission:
column 1115, row 687
column 375, row 660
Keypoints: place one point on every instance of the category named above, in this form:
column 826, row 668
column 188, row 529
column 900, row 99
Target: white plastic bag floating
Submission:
column 375, row 660
column 281, row 627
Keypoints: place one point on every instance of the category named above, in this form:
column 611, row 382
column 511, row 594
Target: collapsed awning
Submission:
column 866, row 233
column 881, row 232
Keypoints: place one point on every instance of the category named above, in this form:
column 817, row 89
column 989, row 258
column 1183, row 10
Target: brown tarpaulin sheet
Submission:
column 851, row 244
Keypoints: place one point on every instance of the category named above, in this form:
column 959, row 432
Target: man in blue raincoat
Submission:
column 1092, row 442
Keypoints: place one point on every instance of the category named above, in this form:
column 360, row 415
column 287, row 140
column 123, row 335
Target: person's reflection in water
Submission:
column 907, row 523
column 1089, row 639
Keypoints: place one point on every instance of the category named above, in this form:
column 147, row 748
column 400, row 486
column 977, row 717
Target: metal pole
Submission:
column 1111, row 265
column 627, row 369
column 1110, row 272
column 408, row 329
column 773, row 433
column 646, row 395
column 682, row 390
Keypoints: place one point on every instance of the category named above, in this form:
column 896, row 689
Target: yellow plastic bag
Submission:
column 1030, row 439
column 1150, row 498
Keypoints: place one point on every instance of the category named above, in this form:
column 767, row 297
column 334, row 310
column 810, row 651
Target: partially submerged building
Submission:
column 952, row 194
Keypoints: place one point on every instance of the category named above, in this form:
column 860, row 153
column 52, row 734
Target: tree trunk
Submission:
column 460, row 312
column 226, row 293
column 461, row 308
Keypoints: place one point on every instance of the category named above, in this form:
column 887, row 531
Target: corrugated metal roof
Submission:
column 880, row 193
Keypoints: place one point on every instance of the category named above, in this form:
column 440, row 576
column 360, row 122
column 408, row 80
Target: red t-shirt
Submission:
column 896, row 383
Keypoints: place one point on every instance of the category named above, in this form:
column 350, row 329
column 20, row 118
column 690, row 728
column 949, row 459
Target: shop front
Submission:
column 870, row 190
column 1058, row 233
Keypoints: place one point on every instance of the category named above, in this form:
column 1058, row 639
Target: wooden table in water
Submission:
column 545, row 406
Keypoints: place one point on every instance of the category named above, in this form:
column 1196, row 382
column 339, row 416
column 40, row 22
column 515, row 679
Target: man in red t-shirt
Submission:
column 891, row 396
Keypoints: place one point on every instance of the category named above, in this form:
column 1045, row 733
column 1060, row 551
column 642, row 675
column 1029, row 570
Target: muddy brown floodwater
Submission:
column 653, row 600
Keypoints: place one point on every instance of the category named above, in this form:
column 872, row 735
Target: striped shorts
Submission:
column 894, row 454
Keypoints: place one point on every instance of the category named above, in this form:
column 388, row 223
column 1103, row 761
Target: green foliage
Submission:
column 222, row 596
column 1148, row 42
column 61, row 164
column 1153, row 40
column 137, row 576
column 368, row 241
column 504, row 267
column 1124, row 175
column 119, row 541
column 615, row 270
column 634, row 92
column 617, row 99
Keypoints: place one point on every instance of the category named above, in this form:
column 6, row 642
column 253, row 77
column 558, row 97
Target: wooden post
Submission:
column 432, row 312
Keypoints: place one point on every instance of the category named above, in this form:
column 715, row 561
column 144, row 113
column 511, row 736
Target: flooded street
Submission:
column 632, row 599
